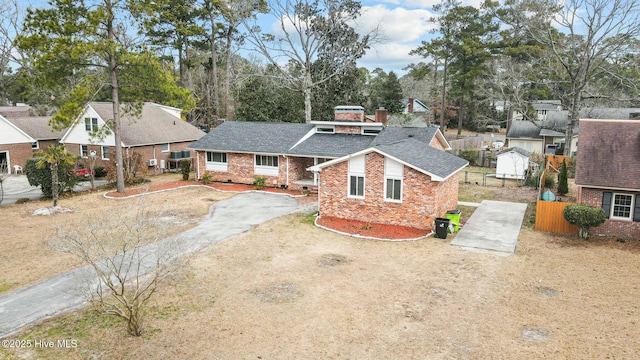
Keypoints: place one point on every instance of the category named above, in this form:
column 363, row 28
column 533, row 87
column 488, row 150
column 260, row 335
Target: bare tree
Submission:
column 10, row 24
column 129, row 257
column 582, row 37
column 310, row 30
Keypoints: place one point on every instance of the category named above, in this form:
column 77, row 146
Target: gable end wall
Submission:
column 422, row 199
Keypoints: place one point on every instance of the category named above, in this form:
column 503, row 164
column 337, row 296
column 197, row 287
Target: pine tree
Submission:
column 563, row 186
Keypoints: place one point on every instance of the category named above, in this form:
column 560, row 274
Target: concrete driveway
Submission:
column 17, row 186
column 494, row 227
column 62, row 293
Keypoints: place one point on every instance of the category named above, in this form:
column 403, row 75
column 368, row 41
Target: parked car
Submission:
column 82, row 173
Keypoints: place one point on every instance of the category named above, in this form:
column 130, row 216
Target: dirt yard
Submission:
column 289, row 290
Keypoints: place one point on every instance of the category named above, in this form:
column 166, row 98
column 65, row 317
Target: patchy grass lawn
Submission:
column 289, row 290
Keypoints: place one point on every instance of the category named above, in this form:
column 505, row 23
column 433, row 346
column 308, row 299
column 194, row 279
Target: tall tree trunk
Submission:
column 117, row 131
column 228, row 109
column 307, row 98
column 461, row 114
column 443, row 104
column 214, row 67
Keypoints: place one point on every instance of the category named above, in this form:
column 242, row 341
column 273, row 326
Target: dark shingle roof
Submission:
column 331, row 145
column 254, row 137
column 609, row 154
column 37, row 127
column 155, row 125
column 394, row 134
column 523, row 130
column 422, row 156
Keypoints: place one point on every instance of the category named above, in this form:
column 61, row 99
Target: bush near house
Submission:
column 42, row 177
column 584, row 217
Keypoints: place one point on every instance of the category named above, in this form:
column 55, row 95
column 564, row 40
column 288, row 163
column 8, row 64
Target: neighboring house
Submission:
column 541, row 108
column 361, row 170
column 412, row 106
column 547, row 136
column 21, row 137
column 608, row 174
column 158, row 134
column 512, row 163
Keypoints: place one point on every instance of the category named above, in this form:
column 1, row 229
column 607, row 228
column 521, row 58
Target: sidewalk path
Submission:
column 61, row 293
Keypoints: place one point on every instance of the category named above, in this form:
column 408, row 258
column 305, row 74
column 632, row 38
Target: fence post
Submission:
column 466, row 181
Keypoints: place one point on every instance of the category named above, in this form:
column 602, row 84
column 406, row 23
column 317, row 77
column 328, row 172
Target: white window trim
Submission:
column 220, row 166
column 35, row 145
column 91, row 124
column 168, row 147
column 613, row 206
column 401, row 189
column 393, row 175
column 364, row 186
column 357, row 166
column 82, row 153
column 102, row 152
column 267, row 170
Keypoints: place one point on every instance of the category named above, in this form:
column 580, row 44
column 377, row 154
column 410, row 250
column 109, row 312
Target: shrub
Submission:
column 471, row 156
column 185, row 168
column 259, row 182
column 206, row 178
column 584, row 217
column 549, row 181
column 563, row 185
column 42, row 177
column 100, row 171
column 22, row 200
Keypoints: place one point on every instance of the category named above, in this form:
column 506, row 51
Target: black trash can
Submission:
column 442, row 227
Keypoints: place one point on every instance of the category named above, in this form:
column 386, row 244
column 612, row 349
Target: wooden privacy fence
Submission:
column 555, row 161
column 549, row 217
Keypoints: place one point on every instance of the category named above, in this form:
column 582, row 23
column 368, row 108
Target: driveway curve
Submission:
column 63, row 292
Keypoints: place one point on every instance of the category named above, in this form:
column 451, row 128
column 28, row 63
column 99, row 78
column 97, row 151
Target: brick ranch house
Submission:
column 158, row 134
column 608, row 174
column 21, row 137
column 361, row 170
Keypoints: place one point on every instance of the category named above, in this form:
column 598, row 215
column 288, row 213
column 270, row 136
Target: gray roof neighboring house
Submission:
column 515, row 149
column 154, row 125
column 38, row 127
column 253, row 137
column 522, row 129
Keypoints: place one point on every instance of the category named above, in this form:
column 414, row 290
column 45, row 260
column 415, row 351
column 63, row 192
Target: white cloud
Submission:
column 397, row 24
column 389, row 57
column 428, row 4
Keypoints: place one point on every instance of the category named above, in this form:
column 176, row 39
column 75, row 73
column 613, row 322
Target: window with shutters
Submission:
column 622, row 206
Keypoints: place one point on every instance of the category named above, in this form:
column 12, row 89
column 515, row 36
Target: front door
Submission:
column 4, row 162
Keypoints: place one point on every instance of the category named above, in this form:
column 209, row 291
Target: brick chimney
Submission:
column 382, row 116
column 410, row 108
column 349, row 113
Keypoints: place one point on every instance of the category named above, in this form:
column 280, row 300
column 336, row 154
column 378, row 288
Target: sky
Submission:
column 404, row 24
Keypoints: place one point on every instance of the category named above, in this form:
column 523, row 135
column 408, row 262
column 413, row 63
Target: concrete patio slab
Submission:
column 494, row 227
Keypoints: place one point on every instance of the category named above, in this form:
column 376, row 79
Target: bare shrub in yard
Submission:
column 128, row 258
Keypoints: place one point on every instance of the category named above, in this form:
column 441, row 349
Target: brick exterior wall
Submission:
column 18, row 154
column 612, row 227
column 422, row 199
column 146, row 152
column 348, row 130
column 240, row 169
column 349, row 116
